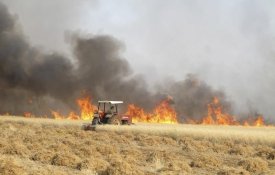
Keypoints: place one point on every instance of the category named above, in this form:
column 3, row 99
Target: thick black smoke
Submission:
column 103, row 72
column 37, row 82
column 191, row 97
column 27, row 75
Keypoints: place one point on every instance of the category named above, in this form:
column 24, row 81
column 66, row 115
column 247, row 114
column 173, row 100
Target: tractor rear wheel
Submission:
column 125, row 122
column 114, row 120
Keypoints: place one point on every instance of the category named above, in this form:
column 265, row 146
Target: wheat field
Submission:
column 46, row 146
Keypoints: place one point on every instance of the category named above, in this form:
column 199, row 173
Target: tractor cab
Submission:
column 105, row 108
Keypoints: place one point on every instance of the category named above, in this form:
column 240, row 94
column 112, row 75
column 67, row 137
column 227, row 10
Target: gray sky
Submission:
column 229, row 44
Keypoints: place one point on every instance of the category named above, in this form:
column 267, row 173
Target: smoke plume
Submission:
column 191, row 97
column 37, row 82
column 29, row 76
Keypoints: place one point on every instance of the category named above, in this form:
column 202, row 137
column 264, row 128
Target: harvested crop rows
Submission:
column 44, row 146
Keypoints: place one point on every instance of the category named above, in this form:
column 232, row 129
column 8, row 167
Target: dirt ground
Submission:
column 44, row 146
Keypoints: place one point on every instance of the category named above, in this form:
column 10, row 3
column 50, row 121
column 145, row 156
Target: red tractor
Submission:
column 107, row 113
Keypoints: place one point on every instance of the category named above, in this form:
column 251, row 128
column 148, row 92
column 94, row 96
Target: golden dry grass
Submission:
column 44, row 146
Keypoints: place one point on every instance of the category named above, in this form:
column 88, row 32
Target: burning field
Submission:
column 164, row 112
column 181, row 126
column 45, row 146
column 43, row 84
column 157, row 143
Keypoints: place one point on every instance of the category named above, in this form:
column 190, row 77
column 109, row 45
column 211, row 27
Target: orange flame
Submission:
column 28, row 114
column 86, row 107
column 57, row 115
column 163, row 113
column 73, row 116
column 137, row 113
column 216, row 116
column 259, row 121
column 86, row 111
column 245, row 123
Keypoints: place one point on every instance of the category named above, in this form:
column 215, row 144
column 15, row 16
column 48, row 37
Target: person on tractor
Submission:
column 111, row 110
column 110, row 116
